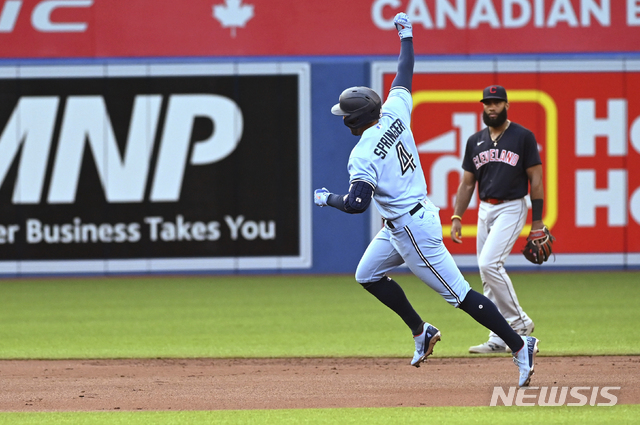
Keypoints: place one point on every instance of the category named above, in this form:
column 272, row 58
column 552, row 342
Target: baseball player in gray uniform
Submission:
column 503, row 159
column 384, row 166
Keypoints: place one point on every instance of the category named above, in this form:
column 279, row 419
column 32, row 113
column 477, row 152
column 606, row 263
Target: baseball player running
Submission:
column 503, row 159
column 385, row 166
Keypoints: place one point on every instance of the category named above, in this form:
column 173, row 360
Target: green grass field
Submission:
column 301, row 316
column 625, row 414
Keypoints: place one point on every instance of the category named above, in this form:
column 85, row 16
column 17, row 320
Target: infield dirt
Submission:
column 213, row 384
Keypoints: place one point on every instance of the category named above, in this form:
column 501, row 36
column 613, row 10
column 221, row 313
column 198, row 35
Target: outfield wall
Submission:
column 130, row 145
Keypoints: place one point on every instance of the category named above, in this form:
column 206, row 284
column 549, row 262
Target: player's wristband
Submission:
column 536, row 209
column 456, row 216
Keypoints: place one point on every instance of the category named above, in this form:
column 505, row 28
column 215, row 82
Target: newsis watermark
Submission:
column 555, row 396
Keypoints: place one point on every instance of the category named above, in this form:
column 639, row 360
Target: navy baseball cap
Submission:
column 494, row 92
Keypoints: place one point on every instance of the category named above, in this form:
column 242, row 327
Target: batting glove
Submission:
column 320, row 197
column 403, row 25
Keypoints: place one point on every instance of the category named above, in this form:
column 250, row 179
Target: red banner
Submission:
column 156, row 28
column 587, row 124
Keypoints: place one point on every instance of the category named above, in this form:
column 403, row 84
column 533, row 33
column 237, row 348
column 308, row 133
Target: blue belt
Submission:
column 412, row 212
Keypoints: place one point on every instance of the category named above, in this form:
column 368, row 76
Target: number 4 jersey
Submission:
column 386, row 157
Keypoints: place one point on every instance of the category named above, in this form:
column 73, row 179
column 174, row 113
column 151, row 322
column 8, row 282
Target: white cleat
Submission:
column 488, row 348
column 525, row 359
column 424, row 344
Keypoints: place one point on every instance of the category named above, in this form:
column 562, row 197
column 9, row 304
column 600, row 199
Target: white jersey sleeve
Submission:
column 400, row 103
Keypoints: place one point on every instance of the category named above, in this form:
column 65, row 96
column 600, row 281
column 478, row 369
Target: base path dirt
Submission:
column 213, row 384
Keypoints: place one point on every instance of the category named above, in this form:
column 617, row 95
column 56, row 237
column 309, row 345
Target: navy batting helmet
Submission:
column 359, row 106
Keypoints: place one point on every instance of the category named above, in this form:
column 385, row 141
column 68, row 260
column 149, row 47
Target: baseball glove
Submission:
column 539, row 246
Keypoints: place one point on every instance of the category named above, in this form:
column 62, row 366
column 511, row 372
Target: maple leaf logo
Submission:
column 233, row 14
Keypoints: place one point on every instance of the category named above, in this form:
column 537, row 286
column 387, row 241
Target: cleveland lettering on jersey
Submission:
column 496, row 155
column 389, row 138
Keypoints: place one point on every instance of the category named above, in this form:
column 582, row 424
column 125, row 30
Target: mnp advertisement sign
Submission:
column 154, row 167
column 587, row 124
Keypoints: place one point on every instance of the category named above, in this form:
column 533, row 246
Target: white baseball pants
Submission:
column 417, row 241
column 498, row 229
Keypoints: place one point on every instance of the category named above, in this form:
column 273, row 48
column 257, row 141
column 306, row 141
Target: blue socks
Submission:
column 387, row 291
column 485, row 312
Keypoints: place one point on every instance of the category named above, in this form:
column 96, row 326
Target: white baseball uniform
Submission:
column 386, row 157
